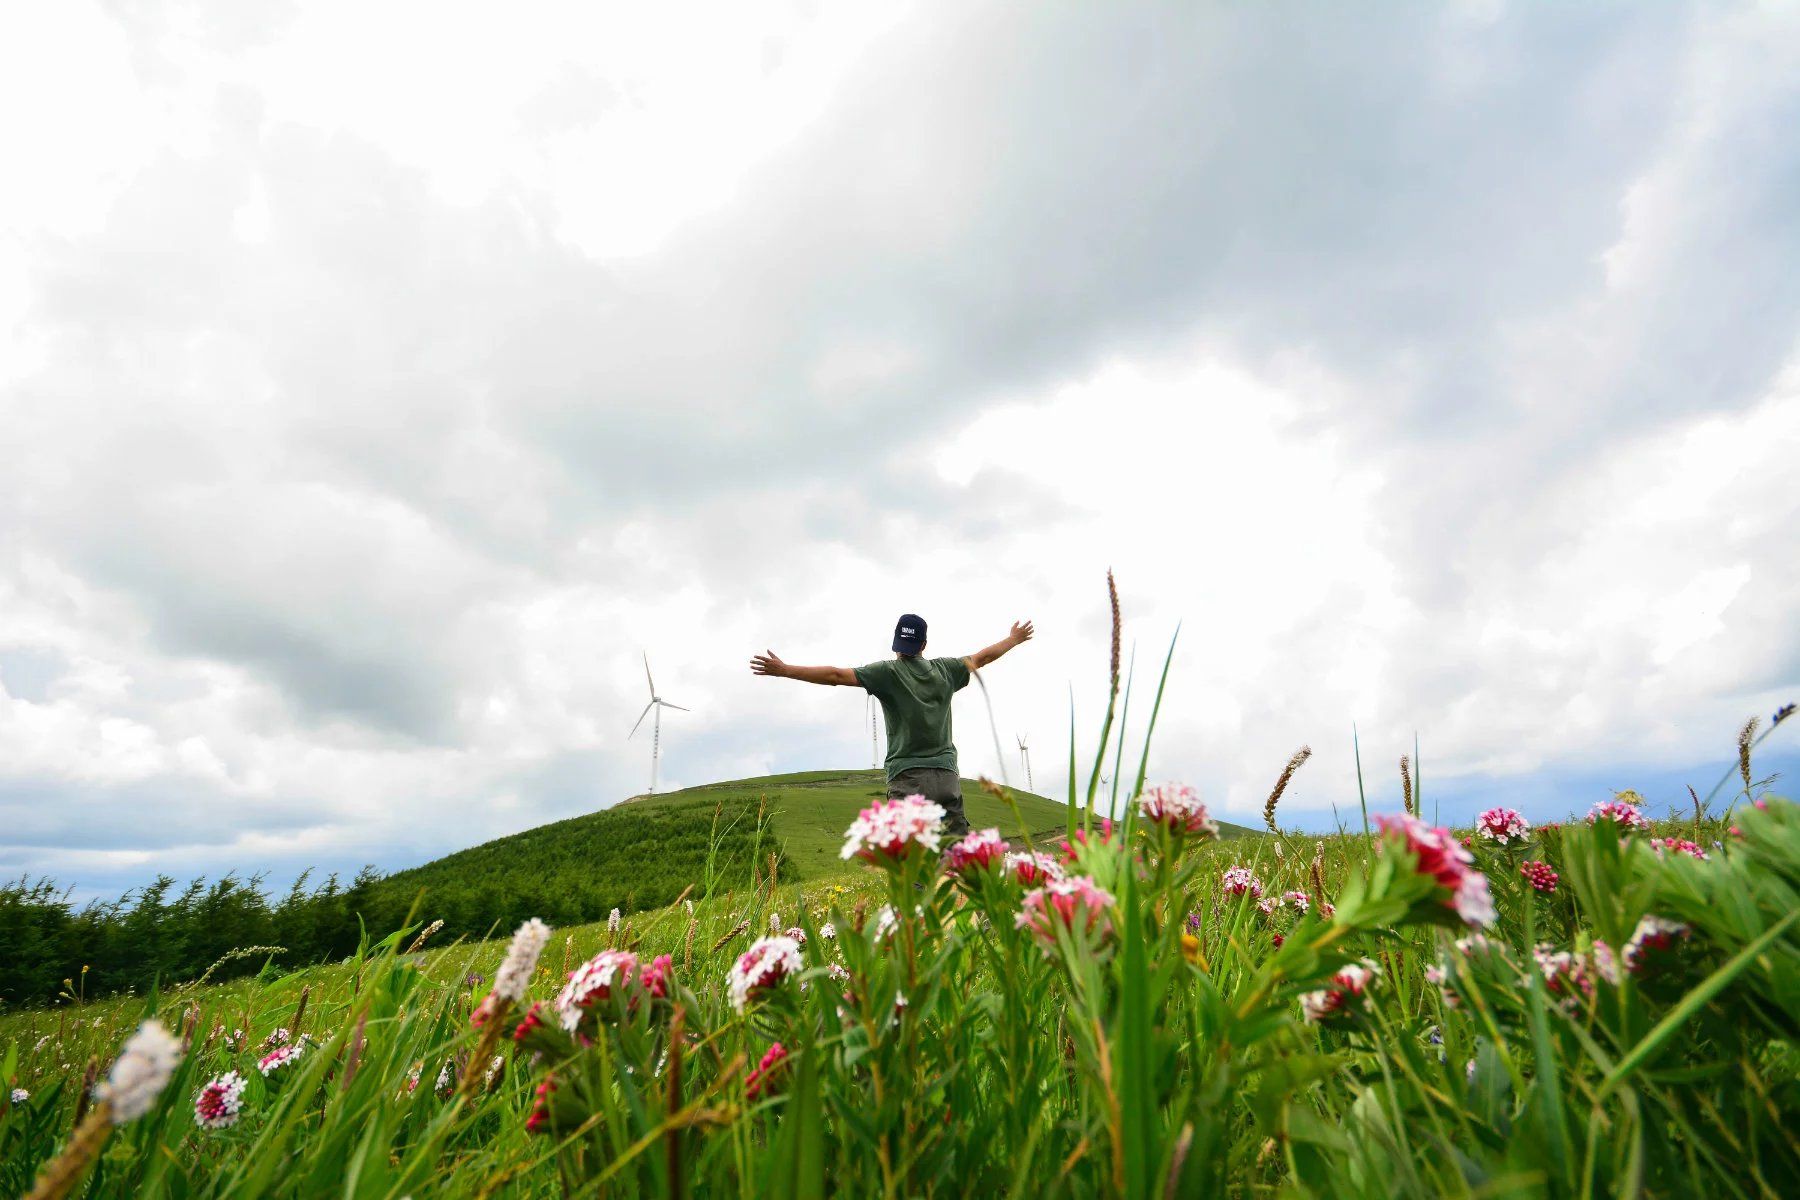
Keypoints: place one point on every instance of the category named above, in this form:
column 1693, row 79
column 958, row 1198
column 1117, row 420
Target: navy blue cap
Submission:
column 909, row 634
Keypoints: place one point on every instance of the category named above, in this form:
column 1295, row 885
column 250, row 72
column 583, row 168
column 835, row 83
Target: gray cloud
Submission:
column 415, row 477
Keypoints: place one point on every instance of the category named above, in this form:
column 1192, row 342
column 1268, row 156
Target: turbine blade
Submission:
column 640, row 720
column 647, row 678
column 666, row 704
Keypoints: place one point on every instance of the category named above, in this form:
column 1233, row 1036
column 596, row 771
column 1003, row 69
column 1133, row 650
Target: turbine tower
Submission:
column 874, row 753
column 657, row 703
column 1025, row 753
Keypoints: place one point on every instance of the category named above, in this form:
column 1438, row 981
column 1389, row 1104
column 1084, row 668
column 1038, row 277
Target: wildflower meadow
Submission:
column 1606, row 1006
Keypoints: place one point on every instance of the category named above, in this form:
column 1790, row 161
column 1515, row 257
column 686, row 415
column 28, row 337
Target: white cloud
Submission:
column 379, row 385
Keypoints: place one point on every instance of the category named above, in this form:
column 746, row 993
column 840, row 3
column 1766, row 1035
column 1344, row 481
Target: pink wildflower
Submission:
column 771, row 1063
column 1300, row 902
column 978, row 851
column 1241, row 881
column 539, row 1120
column 1074, row 904
column 1539, row 875
column 531, row 1022
column 893, row 829
column 1565, row 975
column 1032, row 870
column 1625, row 816
column 1653, row 937
column 1070, row 850
column 766, row 963
column 218, row 1104
column 1503, row 825
column 655, row 977
column 1441, row 858
column 1343, row 995
column 278, row 1058
column 1678, row 846
column 1176, row 807
column 593, row 982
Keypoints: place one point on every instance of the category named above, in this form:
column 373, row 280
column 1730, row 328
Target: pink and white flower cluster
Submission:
column 1176, row 807
column 1673, row 845
column 767, row 962
column 278, row 1058
column 1343, row 996
column 977, row 851
column 1300, row 902
column 1075, row 904
column 1653, row 937
column 892, row 830
column 1503, row 825
column 1033, row 870
column 594, row 981
column 1241, row 881
column 1447, row 861
column 1566, row 975
column 220, row 1102
column 1624, row 815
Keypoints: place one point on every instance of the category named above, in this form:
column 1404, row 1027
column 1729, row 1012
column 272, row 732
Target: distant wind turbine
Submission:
column 1025, row 753
column 657, row 703
column 874, row 753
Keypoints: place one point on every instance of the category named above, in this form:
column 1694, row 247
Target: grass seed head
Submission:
column 1746, row 738
column 1287, row 774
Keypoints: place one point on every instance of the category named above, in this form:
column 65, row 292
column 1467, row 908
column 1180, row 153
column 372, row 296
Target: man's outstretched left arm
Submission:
column 768, row 664
column 1021, row 633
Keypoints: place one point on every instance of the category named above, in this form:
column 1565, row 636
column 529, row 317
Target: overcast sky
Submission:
column 378, row 382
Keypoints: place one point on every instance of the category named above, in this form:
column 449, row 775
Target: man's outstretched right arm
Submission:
column 768, row 664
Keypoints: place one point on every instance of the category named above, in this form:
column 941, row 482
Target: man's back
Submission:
column 915, row 697
column 915, row 694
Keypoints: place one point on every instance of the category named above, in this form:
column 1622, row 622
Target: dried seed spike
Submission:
column 1745, row 739
column 425, row 933
column 1317, row 871
column 1287, row 774
column 1112, row 597
column 300, row 1009
column 740, row 927
column 687, row 955
column 1406, row 793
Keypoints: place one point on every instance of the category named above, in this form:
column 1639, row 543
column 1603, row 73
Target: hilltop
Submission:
column 810, row 810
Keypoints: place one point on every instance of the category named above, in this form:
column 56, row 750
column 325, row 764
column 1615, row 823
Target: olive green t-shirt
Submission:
column 915, row 699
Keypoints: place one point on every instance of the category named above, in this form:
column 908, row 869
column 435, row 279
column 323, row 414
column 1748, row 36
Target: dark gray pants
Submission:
column 938, row 786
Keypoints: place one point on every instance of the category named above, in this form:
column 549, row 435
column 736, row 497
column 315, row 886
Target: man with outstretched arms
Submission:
column 915, row 696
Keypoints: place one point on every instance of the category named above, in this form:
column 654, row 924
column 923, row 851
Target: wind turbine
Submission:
column 874, row 754
column 657, row 703
column 1025, row 753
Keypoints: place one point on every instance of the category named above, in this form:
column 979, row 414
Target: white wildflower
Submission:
column 521, row 962
column 141, row 1072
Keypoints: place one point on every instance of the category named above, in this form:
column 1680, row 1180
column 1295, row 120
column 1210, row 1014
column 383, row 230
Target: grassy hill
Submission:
column 811, row 809
column 636, row 856
column 640, row 854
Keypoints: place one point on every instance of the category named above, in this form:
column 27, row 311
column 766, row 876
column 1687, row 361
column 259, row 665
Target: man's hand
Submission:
column 1021, row 633
column 767, row 664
